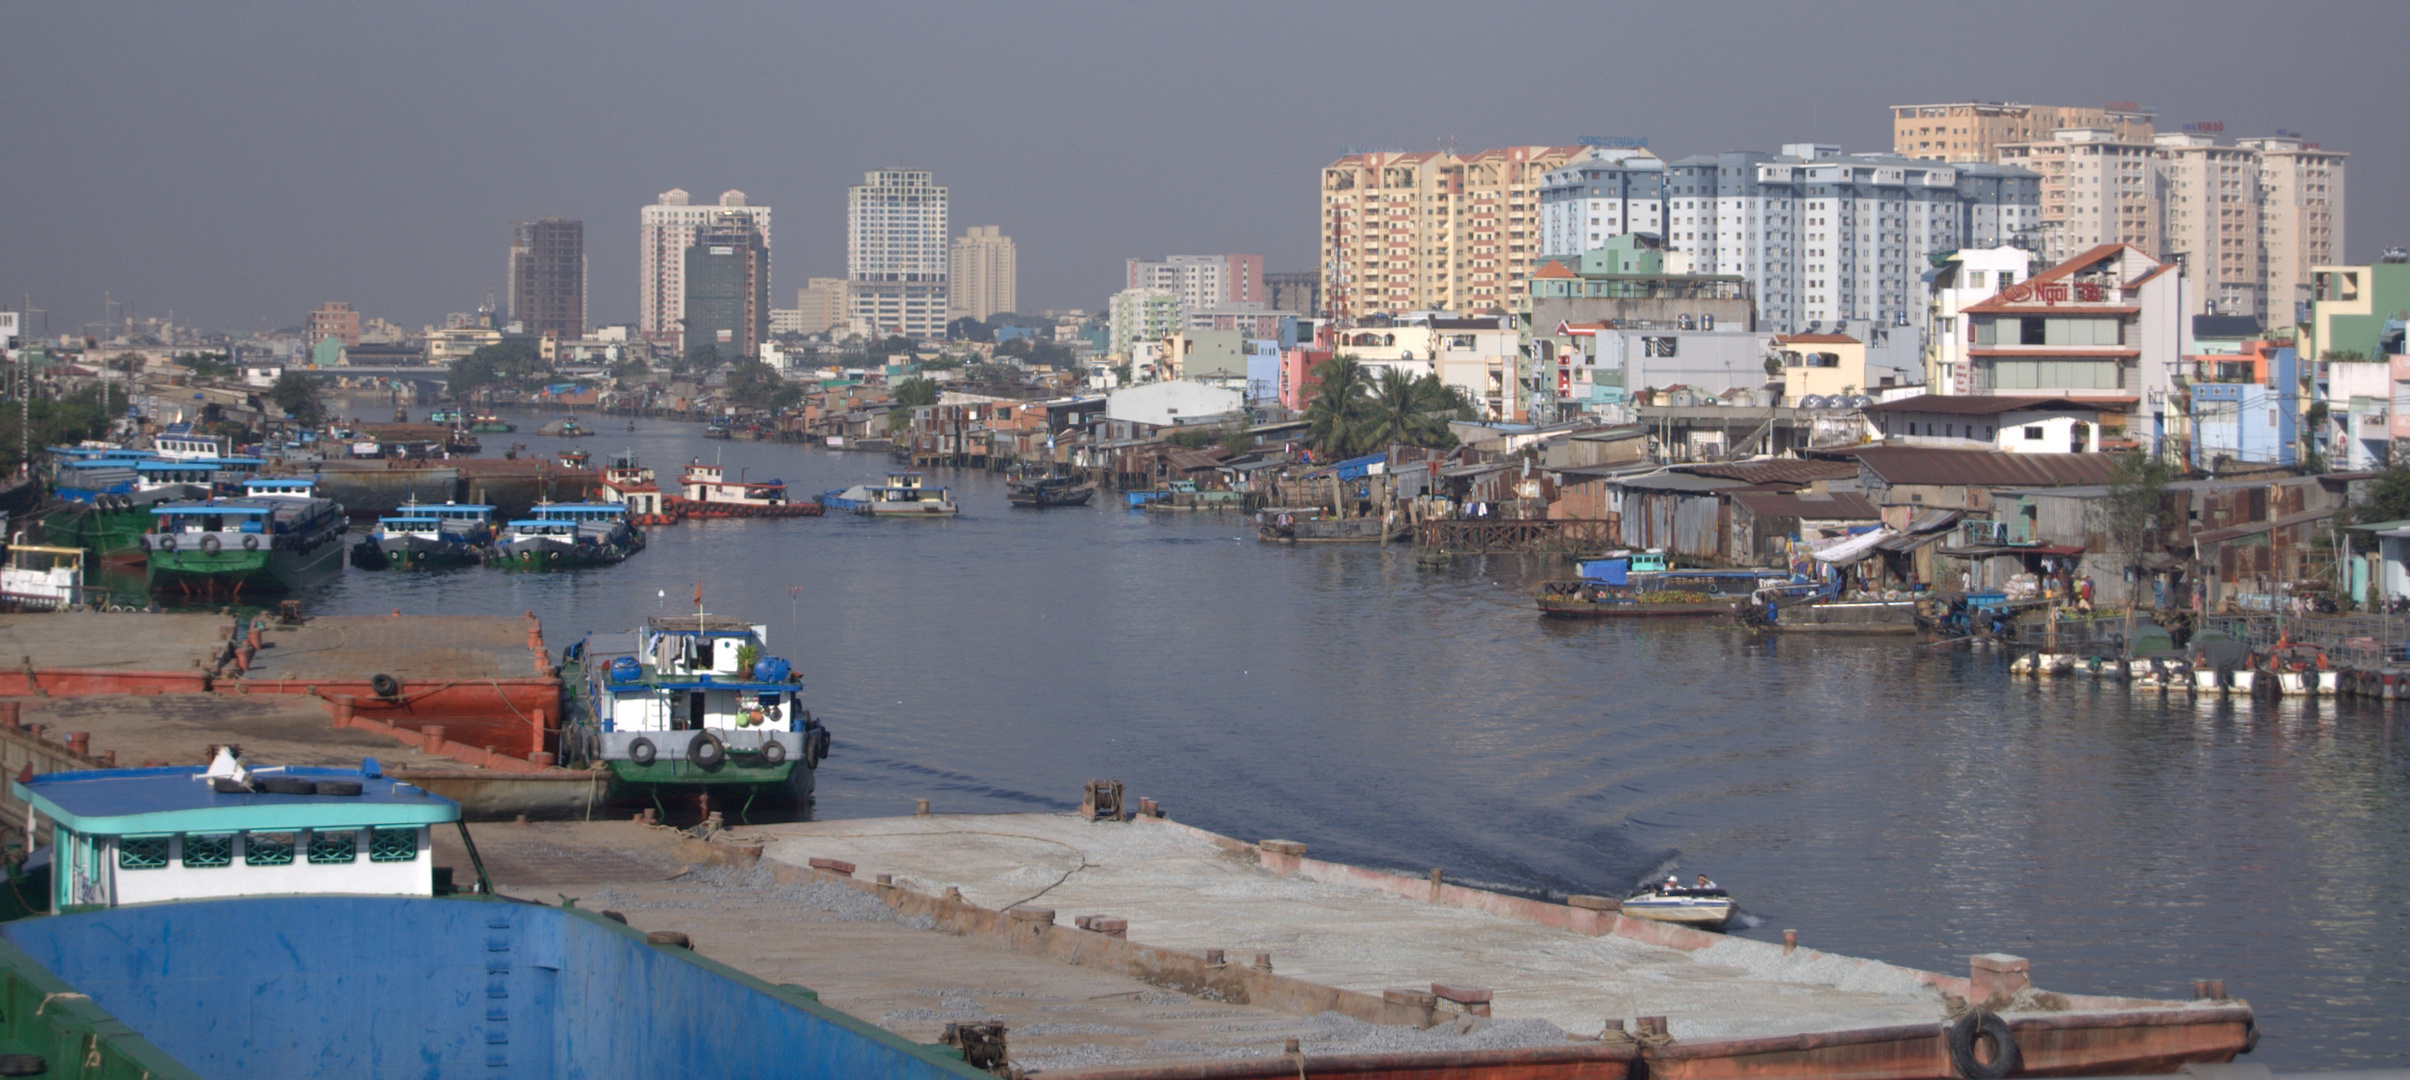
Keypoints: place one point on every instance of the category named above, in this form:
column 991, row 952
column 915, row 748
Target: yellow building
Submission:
column 1975, row 130
column 2300, row 220
column 2097, row 188
column 983, row 277
column 1431, row 231
column 1820, row 364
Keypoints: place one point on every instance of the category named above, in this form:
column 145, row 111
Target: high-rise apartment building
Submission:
column 726, row 304
column 2300, row 218
column 2097, row 188
column 1975, row 130
column 1142, row 314
column 821, row 304
column 984, row 265
column 666, row 231
column 1298, row 291
column 334, row 319
column 1203, row 281
column 896, row 253
column 1431, row 231
column 548, row 277
column 1820, row 236
column 2211, row 218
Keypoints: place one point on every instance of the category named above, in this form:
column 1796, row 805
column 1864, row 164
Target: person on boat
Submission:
column 1704, row 883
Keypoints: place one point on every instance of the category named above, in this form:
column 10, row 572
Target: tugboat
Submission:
column 266, row 541
column 705, row 491
column 692, row 704
column 567, row 428
column 427, row 537
column 1704, row 904
column 903, row 495
column 627, row 480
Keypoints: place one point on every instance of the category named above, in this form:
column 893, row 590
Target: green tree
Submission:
column 1408, row 410
column 915, row 392
column 206, row 365
column 757, row 385
column 2133, row 514
column 1337, row 405
column 70, row 419
column 511, row 363
column 296, row 393
column 703, row 359
column 630, row 369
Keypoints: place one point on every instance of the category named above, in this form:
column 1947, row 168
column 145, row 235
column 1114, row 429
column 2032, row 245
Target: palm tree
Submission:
column 1338, row 403
column 1406, row 409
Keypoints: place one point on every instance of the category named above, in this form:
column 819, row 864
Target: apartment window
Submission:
column 2033, row 431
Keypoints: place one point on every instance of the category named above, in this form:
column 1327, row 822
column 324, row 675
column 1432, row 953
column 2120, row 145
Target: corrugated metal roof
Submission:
column 1935, row 521
column 1992, row 404
column 1838, row 506
column 1776, row 470
column 1985, row 468
column 1679, row 482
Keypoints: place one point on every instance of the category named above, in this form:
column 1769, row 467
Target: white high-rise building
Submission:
column 1204, row 282
column 896, row 253
column 984, row 269
column 666, row 230
column 1821, row 236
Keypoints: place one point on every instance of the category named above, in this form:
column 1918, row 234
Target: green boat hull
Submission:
column 786, row 783
column 108, row 534
column 229, row 572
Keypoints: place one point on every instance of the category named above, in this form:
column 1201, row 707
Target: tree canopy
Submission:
column 1353, row 412
column 296, row 393
column 511, row 363
column 759, row 386
column 915, row 392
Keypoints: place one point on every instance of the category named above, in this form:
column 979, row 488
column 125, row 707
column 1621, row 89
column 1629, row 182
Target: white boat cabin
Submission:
column 708, row 483
column 134, row 836
column 692, row 673
column 42, row 578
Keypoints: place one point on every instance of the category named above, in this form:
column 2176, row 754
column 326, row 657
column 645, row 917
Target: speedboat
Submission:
column 1671, row 901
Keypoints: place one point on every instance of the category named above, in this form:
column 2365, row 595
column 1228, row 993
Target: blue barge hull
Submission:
column 387, row 987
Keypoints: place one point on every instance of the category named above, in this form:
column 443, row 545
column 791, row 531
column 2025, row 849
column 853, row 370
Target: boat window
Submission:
column 142, row 852
column 208, row 851
column 336, row 846
column 392, row 845
column 268, row 849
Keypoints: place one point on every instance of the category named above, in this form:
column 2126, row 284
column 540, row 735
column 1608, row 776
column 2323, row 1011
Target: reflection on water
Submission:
column 1888, row 801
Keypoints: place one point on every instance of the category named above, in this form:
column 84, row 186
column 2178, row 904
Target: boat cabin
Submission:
column 581, row 512
column 80, row 479
column 42, row 578
column 559, row 529
column 419, row 525
column 708, row 483
column 283, row 487
column 134, row 836
column 689, row 672
column 180, row 442
column 211, row 520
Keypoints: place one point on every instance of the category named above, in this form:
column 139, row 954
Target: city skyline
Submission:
column 185, row 192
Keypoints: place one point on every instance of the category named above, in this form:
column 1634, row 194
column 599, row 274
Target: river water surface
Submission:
column 1883, row 800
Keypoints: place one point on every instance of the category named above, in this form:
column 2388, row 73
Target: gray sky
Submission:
column 238, row 163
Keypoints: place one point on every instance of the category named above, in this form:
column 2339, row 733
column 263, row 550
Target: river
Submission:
column 1883, row 800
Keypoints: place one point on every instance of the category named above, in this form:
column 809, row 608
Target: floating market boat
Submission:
column 427, row 536
column 292, row 922
column 256, row 543
column 1046, row 491
column 1816, row 608
column 903, row 495
column 705, row 491
column 692, row 704
column 1316, row 525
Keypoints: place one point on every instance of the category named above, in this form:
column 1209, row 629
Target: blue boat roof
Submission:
column 210, row 508
column 700, row 684
column 279, row 484
column 410, row 521
column 452, row 509
column 614, row 508
column 102, row 463
column 522, row 523
column 179, row 799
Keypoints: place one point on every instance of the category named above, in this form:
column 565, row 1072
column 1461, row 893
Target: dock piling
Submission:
column 1790, row 941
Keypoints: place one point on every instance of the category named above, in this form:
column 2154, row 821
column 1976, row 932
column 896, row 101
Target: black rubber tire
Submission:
column 251, row 543
column 337, row 787
column 1974, row 1027
column 210, row 545
column 820, row 741
column 167, row 543
column 287, row 785
column 774, row 752
column 384, row 686
column 23, row 1065
column 706, row 752
column 643, row 752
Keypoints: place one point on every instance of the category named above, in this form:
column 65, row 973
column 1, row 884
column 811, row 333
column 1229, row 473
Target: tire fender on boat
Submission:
column 1977, row 1026
column 642, row 751
column 706, row 751
column 209, row 545
column 251, row 543
column 773, row 751
column 384, row 686
column 167, row 543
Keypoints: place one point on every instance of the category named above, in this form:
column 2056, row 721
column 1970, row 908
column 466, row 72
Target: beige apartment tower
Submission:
column 2097, row 188
column 820, row 304
column 1975, row 130
column 1433, row 230
column 984, row 266
column 2300, row 220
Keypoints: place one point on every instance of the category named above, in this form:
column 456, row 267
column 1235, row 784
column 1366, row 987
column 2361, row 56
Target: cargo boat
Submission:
column 291, row 923
column 1642, row 584
column 39, row 577
column 1818, row 609
column 903, row 495
column 1048, row 491
column 567, row 535
column 692, row 704
column 427, row 537
column 263, row 542
column 705, row 491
